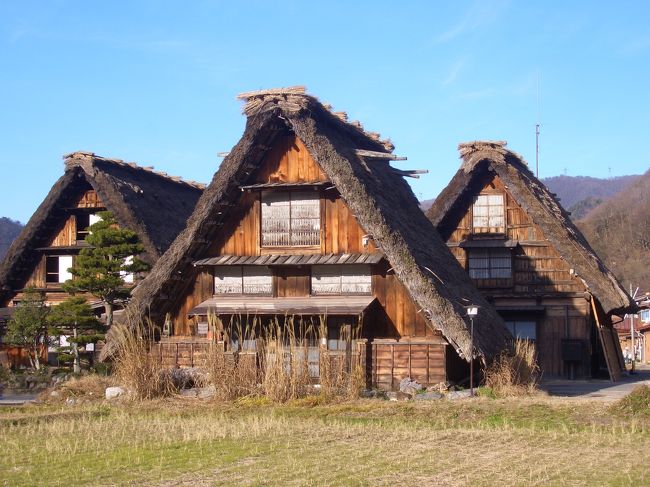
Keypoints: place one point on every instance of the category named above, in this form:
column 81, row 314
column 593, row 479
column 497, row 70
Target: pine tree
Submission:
column 74, row 318
column 100, row 269
column 28, row 326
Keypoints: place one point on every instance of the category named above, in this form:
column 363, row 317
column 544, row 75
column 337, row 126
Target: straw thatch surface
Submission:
column 154, row 205
column 381, row 200
column 481, row 160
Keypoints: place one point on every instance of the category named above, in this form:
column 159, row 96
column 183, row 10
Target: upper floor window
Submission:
column 341, row 279
column 490, row 263
column 290, row 218
column 488, row 214
column 56, row 268
column 243, row 280
column 645, row 316
column 85, row 220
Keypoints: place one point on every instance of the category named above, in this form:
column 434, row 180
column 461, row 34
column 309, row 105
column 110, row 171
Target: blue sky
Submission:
column 155, row 82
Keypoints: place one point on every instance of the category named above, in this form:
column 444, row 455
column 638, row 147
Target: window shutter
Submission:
column 65, row 262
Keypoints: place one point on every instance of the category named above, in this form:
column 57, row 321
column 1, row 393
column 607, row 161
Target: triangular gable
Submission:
column 482, row 160
column 380, row 199
column 135, row 196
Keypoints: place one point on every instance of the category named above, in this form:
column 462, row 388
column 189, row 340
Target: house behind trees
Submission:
column 154, row 205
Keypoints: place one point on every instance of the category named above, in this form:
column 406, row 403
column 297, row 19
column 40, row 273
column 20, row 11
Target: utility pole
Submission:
column 633, row 341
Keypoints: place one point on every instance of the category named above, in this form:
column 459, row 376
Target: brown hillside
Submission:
column 619, row 231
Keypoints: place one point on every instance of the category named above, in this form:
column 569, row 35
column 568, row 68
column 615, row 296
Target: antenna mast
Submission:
column 537, row 150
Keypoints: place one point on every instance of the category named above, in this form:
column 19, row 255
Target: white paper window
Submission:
column 228, row 280
column 257, row 280
column 490, row 263
column 243, row 280
column 488, row 211
column 341, row 279
column 523, row 330
column 290, row 218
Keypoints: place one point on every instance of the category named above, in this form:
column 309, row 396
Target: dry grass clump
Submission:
column 139, row 371
column 233, row 374
column 514, row 372
column 636, row 403
column 285, row 360
column 89, row 387
column 281, row 361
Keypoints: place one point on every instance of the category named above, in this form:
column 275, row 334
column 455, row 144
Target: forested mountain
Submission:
column 9, row 229
column 580, row 194
column 619, row 231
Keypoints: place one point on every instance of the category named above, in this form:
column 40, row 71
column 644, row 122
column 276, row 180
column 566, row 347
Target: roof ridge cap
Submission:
column 294, row 98
column 82, row 159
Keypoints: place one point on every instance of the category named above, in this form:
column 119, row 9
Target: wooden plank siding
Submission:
column 394, row 315
column 541, row 280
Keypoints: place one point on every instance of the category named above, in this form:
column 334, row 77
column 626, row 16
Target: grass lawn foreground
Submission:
column 523, row 441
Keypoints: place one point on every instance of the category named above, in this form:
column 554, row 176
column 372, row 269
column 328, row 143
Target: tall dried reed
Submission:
column 234, row 372
column 342, row 373
column 282, row 359
column 138, row 370
column 514, row 372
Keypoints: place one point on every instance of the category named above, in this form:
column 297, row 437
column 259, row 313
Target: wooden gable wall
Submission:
column 289, row 161
column 540, row 278
column 537, row 266
column 64, row 236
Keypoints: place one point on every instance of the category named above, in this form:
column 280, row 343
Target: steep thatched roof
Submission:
column 378, row 196
column 481, row 161
column 153, row 204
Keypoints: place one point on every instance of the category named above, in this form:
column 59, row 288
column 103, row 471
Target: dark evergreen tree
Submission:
column 74, row 319
column 28, row 326
column 101, row 268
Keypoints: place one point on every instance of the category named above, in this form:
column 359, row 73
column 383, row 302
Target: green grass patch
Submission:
column 366, row 442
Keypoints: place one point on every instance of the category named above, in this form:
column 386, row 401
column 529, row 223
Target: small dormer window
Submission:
column 290, row 219
column 488, row 214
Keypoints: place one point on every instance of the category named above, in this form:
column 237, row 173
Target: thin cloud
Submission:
column 453, row 73
column 478, row 15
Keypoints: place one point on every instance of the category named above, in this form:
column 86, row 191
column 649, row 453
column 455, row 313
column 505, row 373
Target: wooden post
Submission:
column 392, row 365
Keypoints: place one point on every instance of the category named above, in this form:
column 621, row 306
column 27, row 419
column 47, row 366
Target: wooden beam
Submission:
column 409, row 174
column 378, row 155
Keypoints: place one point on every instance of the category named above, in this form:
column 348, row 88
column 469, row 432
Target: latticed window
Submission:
column 243, row 280
column 488, row 212
column 341, row 279
column 490, row 264
column 290, row 218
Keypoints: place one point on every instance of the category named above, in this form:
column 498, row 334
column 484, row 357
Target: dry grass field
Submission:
column 522, row 441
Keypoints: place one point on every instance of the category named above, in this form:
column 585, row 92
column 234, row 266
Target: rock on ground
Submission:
column 428, row 396
column 458, row 395
column 114, row 392
column 409, row 386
